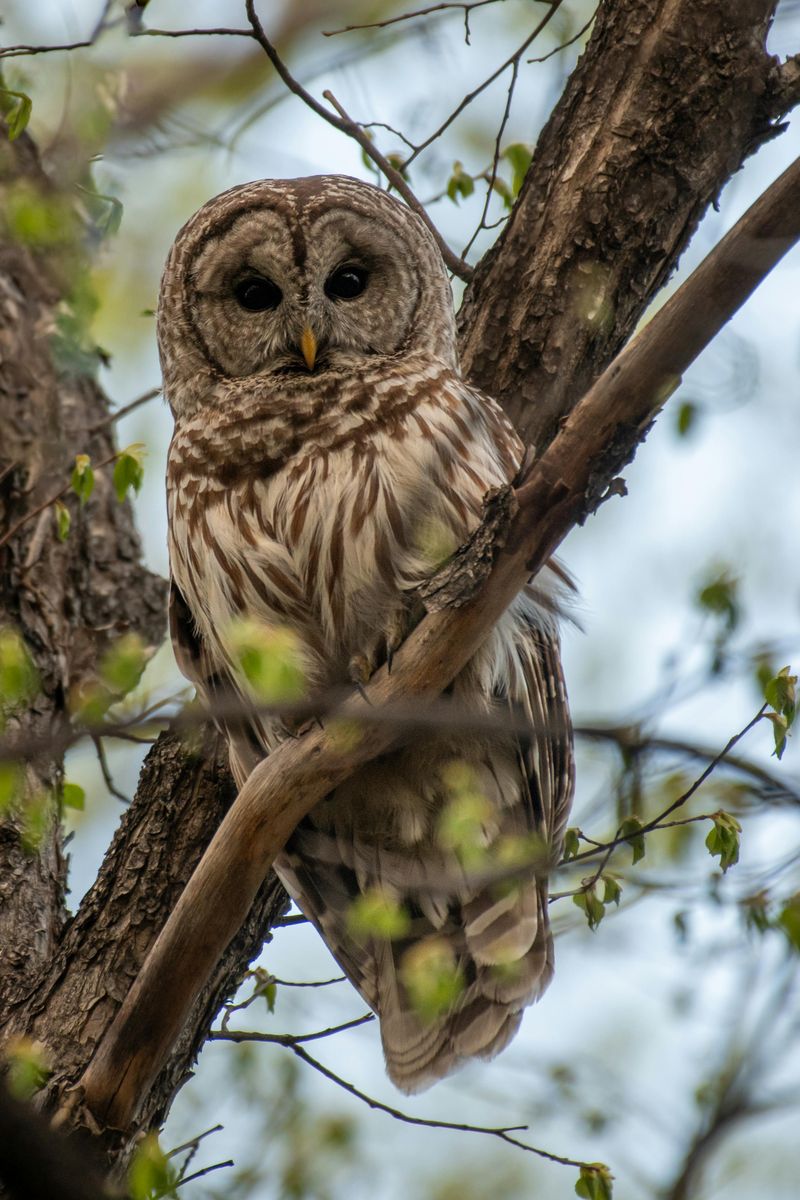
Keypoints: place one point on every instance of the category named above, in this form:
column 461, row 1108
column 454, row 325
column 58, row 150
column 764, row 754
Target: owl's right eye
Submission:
column 257, row 294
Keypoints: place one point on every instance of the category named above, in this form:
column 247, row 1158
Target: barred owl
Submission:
column 324, row 439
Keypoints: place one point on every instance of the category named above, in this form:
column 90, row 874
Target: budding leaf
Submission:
column 150, row 1174
column 723, row 840
column 611, row 890
column 432, row 977
column 123, row 664
column 82, row 480
column 271, row 660
column 63, row 521
column 73, row 796
column 595, row 1182
column 16, row 109
column 375, row 914
column 630, row 829
column 780, row 692
column 592, row 906
column 129, row 470
column 519, row 155
column 460, row 183
column 789, row 920
column 18, row 678
column 572, row 844
column 28, row 1067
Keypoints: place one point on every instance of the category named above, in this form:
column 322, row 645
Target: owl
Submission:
column 327, row 454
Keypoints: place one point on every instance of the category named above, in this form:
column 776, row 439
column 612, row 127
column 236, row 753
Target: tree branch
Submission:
column 562, row 488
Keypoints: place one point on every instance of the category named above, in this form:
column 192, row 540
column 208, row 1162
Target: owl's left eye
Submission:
column 257, row 294
column 346, row 283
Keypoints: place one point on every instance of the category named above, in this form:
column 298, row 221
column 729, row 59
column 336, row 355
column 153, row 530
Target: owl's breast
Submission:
column 332, row 542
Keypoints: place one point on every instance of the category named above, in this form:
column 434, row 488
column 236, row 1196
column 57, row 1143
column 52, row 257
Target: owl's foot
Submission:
column 396, row 629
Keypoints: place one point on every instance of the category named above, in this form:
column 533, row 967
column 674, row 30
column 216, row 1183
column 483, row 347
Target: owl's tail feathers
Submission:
column 486, row 1014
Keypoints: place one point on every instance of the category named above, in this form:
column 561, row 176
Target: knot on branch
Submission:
column 454, row 584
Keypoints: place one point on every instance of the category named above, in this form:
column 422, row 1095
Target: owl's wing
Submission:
column 547, row 753
column 214, row 688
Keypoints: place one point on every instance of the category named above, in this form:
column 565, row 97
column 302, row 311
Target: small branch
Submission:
column 119, row 413
column 599, row 437
column 204, row 1171
column 503, row 1132
column 466, row 8
column 286, row 1039
column 22, row 51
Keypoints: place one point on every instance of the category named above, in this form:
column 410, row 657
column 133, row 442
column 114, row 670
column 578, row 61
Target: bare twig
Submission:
column 286, row 1039
column 345, row 124
column 502, row 1132
column 473, row 95
column 656, row 822
column 126, row 409
column 466, row 8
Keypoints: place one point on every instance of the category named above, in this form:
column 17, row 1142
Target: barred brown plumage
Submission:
column 326, row 452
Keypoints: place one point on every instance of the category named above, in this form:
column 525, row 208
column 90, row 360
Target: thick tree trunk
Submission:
column 667, row 101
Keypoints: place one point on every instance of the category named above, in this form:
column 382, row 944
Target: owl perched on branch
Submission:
column 327, row 453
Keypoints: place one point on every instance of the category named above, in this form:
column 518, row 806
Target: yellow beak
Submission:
column 308, row 344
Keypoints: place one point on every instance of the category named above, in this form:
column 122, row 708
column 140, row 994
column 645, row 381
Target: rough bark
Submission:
column 668, row 100
column 68, row 600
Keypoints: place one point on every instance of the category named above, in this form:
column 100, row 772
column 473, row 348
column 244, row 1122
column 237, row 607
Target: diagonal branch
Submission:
column 563, row 487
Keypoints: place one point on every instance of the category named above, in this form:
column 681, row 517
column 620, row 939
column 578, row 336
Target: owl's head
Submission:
column 299, row 275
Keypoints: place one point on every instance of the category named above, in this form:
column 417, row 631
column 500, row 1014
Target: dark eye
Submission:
column 256, row 294
column 346, row 283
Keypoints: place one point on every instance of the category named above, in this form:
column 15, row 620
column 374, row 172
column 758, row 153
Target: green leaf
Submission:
column 595, row 1182
column 503, row 190
column 592, row 906
column 375, row 914
column 73, row 796
column 630, row 829
column 129, row 470
column 18, row 677
column 612, row 890
column 16, row 109
column 780, row 728
column 82, row 480
column 122, row 666
column 432, row 977
column 150, row 1175
column 719, row 597
column 63, row 521
column 780, row 692
column 28, row 1067
column 789, row 920
column 723, row 840
column 37, row 821
column 686, row 418
column 271, row 659
column 572, row 844
column 519, row 156
column 460, row 183
column 464, row 820
column 12, row 784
